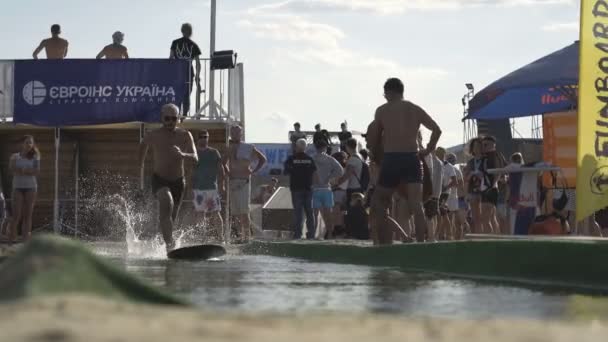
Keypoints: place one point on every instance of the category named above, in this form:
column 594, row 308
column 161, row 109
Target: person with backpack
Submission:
column 356, row 173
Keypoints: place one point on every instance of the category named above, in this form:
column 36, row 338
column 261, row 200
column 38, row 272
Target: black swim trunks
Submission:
column 431, row 207
column 400, row 167
column 176, row 187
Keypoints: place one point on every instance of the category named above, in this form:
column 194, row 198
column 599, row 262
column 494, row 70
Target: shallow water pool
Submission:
column 252, row 284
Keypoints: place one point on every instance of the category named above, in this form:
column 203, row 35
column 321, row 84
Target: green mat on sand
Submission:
column 50, row 265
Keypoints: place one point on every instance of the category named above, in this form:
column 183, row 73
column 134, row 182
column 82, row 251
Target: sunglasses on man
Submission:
column 170, row 119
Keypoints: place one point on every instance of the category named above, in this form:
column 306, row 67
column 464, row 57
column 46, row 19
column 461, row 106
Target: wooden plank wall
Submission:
column 111, row 153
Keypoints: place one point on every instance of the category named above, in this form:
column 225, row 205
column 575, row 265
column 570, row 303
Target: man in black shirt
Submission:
column 185, row 48
column 301, row 168
column 344, row 135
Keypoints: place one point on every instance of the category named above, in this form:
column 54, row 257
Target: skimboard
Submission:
column 197, row 252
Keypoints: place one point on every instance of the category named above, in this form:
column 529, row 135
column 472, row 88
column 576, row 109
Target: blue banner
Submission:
column 276, row 154
column 88, row 92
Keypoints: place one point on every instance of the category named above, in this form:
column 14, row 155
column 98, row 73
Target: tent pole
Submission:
column 76, row 188
column 227, row 226
column 142, row 130
column 212, row 105
column 56, row 227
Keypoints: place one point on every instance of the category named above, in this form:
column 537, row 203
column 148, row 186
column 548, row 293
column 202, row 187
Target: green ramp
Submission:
column 555, row 263
column 50, row 265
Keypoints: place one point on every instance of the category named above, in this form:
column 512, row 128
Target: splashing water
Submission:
column 113, row 210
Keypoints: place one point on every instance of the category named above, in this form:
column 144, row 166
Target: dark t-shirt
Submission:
column 185, row 48
column 205, row 172
column 343, row 136
column 321, row 136
column 300, row 167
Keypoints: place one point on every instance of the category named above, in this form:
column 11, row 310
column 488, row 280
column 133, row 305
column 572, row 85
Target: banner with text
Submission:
column 592, row 149
column 276, row 154
column 88, row 92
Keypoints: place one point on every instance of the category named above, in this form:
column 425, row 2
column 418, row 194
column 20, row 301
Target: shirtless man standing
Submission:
column 396, row 128
column 55, row 47
column 115, row 50
column 238, row 163
column 170, row 147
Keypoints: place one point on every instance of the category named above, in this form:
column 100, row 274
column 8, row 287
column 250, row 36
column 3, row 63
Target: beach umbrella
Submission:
column 543, row 86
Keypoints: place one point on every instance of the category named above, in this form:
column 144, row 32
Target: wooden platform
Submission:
column 108, row 149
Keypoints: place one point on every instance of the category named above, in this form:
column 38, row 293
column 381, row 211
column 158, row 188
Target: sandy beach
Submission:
column 85, row 318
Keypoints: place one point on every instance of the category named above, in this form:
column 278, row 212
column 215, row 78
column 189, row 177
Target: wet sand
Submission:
column 83, row 318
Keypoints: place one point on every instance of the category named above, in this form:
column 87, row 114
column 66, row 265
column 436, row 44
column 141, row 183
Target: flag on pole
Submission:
column 592, row 146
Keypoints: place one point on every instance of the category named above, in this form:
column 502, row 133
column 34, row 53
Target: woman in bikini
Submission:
column 25, row 167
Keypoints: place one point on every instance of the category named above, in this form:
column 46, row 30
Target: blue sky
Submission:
column 321, row 60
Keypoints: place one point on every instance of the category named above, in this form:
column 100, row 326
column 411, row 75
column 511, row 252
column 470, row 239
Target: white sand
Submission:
column 81, row 318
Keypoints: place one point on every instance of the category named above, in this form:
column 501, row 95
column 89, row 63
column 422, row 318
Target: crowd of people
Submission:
column 174, row 150
column 396, row 189
column 183, row 48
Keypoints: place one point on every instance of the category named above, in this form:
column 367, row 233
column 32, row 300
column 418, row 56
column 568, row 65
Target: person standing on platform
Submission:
column 296, row 135
column 25, row 167
column 238, row 163
column 344, row 135
column 396, row 128
column 321, row 134
column 185, row 48
column 301, row 168
column 207, row 186
column 115, row 50
column 55, row 47
column 171, row 146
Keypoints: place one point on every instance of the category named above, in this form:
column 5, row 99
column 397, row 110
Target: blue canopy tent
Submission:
column 544, row 86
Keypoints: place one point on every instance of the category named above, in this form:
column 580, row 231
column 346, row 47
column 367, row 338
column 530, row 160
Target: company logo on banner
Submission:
column 88, row 92
column 34, row 93
column 592, row 156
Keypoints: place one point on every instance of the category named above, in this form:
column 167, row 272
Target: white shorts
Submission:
column 240, row 196
column 206, row 201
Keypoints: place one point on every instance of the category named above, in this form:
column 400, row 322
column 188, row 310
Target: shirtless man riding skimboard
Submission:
column 170, row 146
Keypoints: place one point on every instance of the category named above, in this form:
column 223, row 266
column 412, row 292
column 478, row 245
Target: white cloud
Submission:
column 561, row 27
column 294, row 29
column 319, row 43
column 395, row 6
